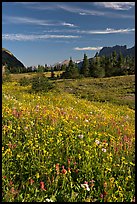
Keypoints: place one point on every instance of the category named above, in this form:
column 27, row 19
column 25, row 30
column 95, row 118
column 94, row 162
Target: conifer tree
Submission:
column 108, row 67
column 120, row 66
column 85, row 71
column 96, row 69
column 131, row 65
column 71, row 71
column 114, row 63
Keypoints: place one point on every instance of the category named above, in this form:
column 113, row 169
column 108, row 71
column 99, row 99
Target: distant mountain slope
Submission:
column 66, row 62
column 107, row 51
column 9, row 59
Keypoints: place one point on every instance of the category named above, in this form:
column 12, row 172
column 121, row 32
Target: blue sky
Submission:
column 50, row 32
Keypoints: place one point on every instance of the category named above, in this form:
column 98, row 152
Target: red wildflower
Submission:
column 14, row 145
column 31, row 181
column 68, row 162
column 16, row 113
column 42, row 185
column 9, row 145
column 116, row 149
column 64, row 171
column 69, row 170
column 10, row 183
column 13, row 191
column 57, row 168
column 126, row 139
column 105, row 184
column 119, row 131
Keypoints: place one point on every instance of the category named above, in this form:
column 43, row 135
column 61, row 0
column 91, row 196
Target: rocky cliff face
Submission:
column 107, row 51
column 10, row 60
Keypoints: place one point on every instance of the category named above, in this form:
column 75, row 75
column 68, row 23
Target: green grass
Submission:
column 117, row 90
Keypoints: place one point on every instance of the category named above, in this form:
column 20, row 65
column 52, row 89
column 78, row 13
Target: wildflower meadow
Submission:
column 60, row 148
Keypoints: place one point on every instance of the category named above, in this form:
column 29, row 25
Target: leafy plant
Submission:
column 24, row 81
column 41, row 83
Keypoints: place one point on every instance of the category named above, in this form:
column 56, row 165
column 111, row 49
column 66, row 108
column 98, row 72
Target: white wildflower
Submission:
column 104, row 150
column 80, row 136
column 85, row 186
column 97, row 142
column 48, row 200
column 86, row 120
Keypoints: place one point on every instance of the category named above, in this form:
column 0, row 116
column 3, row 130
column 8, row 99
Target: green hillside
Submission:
column 71, row 144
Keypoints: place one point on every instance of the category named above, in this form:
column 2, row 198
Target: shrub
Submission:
column 41, row 83
column 24, row 81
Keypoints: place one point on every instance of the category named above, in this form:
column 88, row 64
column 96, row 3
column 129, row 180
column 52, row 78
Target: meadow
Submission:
column 70, row 144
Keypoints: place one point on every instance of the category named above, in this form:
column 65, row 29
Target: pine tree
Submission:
column 114, row 63
column 85, row 71
column 131, row 64
column 96, row 69
column 120, row 65
column 71, row 71
column 108, row 67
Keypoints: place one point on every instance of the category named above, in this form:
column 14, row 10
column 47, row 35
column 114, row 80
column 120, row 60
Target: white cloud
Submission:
column 33, row 21
column 68, row 24
column 116, row 5
column 80, row 11
column 106, row 31
column 22, row 37
column 91, row 12
column 82, row 14
column 87, row 48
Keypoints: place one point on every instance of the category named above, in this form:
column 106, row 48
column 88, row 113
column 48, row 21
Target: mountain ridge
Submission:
column 107, row 51
column 10, row 60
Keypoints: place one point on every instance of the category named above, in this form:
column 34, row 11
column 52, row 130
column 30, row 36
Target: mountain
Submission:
column 10, row 60
column 107, row 51
column 131, row 51
column 66, row 62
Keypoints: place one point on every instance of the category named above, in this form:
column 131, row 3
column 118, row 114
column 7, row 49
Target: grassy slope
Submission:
column 119, row 90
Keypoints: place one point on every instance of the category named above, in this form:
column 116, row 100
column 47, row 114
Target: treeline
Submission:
column 40, row 68
column 115, row 65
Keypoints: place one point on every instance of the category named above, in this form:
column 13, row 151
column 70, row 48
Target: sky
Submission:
column 50, row 32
